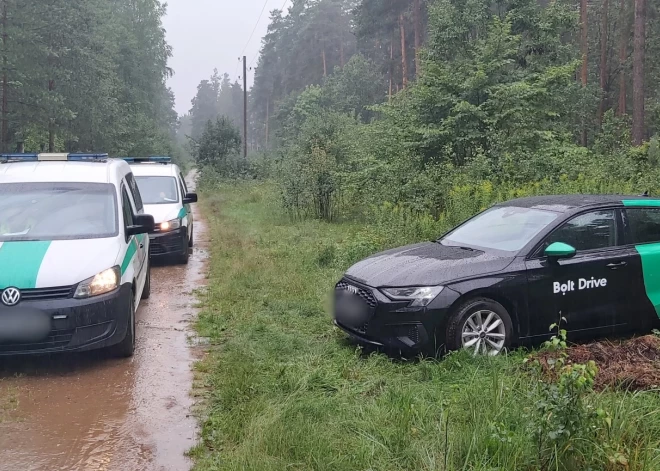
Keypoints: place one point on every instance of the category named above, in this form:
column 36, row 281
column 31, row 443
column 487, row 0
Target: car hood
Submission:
column 426, row 264
column 47, row 264
column 162, row 212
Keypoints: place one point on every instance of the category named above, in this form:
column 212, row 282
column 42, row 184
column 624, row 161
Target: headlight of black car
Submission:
column 420, row 296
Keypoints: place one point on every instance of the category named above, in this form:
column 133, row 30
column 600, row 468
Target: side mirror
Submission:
column 190, row 198
column 143, row 224
column 559, row 250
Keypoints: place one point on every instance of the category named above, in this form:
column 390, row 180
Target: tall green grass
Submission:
column 284, row 390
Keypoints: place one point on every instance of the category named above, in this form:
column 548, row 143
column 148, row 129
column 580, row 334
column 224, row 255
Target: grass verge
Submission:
column 283, row 389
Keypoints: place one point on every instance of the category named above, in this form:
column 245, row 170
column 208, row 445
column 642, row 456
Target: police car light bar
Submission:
column 153, row 159
column 51, row 157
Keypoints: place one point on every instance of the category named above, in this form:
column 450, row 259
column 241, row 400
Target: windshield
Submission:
column 158, row 190
column 506, row 228
column 57, row 211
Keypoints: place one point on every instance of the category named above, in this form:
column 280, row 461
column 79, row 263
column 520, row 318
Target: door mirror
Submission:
column 190, row 198
column 560, row 250
column 143, row 224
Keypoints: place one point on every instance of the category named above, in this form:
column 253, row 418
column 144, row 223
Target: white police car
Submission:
column 73, row 253
column 166, row 197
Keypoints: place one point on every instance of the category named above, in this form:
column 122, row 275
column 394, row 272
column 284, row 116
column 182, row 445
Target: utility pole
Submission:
column 245, row 136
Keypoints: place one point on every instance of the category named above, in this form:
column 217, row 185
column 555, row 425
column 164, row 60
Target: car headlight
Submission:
column 106, row 281
column 420, row 296
column 170, row 225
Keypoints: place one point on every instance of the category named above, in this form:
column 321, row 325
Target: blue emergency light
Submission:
column 152, row 159
column 5, row 158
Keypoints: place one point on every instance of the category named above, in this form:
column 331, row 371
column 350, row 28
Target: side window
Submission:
column 644, row 225
column 589, row 231
column 135, row 191
column 126, row 208
column 184, row 192
column 183, row 181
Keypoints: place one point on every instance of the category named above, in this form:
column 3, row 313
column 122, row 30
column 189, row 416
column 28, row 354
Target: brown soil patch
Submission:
column 631, row 364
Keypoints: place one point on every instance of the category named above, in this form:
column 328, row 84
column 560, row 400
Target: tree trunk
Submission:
column 623, row 57
column 51, row 122
column 603, row 61
column 584, row 45
column 325, row 65
column 342, row 61
column 267, row 119
column 638, row 72
column 391, row 66
column 404, row 61
column 418, row 36
column 5, row 84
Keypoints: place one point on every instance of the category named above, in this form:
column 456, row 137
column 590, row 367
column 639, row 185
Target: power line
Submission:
column 257, row 54
column 255, row 27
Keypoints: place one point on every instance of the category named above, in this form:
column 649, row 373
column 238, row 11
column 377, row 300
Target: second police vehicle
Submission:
column 166, row 197
column 74, row 253
column 505, row 276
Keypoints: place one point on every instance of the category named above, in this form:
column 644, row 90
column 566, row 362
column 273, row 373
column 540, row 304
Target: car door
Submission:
column 589, row 290
column 642, row 239
column 188, row 211
column 136, row 244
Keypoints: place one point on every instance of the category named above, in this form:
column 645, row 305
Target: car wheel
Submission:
column 191, row 242
column 481, row 326
column 146, row 292
column 185, row 256
column 126, row 348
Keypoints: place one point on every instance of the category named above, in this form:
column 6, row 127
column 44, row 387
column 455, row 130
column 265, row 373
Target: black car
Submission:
column 505, row 276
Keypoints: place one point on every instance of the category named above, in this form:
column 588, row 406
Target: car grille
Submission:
column 165, row 245
column 58, row 339
column 46, row 294
column 367, row 296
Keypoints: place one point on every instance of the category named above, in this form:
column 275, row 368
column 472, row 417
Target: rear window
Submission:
column 644, row 225
column 158, row 190
column 57, row 211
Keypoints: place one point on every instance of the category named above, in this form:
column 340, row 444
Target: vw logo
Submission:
column 11, row 297
column 352, row 289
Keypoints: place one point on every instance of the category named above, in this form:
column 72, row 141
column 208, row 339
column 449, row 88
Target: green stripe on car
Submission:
column 183, row 213
column 637, row 203
column 130, row 253
column 20, row 263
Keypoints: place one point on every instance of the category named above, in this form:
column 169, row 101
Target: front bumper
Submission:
column 72, row 324
column 165, row 244
column 392, row 324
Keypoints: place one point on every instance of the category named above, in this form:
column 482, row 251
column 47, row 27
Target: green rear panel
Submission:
column 650, row 255
column 20, row 263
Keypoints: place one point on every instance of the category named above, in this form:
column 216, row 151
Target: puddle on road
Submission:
column 93, row 412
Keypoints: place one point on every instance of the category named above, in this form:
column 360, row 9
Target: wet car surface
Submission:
column 91, row 411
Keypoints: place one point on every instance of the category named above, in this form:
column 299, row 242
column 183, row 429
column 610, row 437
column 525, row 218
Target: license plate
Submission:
column 21, row 325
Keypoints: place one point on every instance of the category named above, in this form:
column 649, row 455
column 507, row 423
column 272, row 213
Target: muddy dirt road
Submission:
column 94, row 412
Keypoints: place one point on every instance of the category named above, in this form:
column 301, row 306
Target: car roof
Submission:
column 105, row 171
column 154, row 170
column 566, row 203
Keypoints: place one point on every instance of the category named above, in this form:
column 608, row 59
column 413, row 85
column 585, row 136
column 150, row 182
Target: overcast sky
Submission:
column 208, row 34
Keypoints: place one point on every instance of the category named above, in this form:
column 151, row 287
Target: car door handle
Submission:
column 614, row 266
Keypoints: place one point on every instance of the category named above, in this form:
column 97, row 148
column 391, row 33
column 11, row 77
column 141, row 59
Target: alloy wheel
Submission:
column 484, row 333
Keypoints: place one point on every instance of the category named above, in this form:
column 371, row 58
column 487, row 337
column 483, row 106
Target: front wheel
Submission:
column 146, row 291
column 126, row 348
column 185, row 256
column 481, row 326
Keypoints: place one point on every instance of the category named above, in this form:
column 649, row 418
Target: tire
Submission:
column 146, row 292
column 485, row 336
column 184, row 257
column 191, row 242
column 126, row 348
